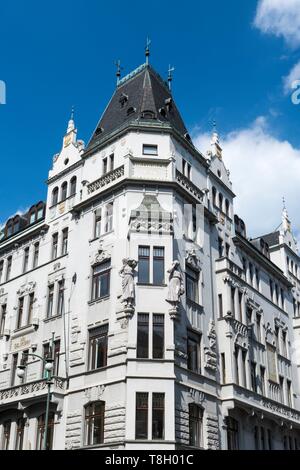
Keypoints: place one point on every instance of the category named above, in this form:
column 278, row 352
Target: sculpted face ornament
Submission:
column 128, row 287
column 176, row 288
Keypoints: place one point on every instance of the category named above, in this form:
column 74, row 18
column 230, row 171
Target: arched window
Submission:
column 220, row 201
column 16, row 224
column 214, row 195
column 9, row 228
column 73, row 186
column 227, row 207
column 55, row 196
column 32, row 215
column 64, row 191
column 41, row 432
column 40, row 210
column 94, row 423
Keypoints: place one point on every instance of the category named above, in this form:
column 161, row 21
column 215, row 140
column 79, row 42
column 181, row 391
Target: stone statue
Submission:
column 128, row 286
column 176, row 287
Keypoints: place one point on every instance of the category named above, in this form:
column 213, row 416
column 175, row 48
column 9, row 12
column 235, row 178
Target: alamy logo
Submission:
column 2, row 92
column 296, row 93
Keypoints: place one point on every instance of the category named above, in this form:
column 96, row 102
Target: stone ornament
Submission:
column 26, row 288
column 211, row 351
column 101, row 255
column 193, row 260
column 128, row 287
column 176, row 288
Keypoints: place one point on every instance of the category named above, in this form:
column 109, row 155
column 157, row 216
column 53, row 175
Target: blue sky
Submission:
column 55, row 55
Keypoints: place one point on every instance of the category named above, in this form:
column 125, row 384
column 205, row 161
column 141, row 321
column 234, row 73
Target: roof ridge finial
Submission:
column 119, row 68
column 71, row 124
column 147, row 50
column 170, row 76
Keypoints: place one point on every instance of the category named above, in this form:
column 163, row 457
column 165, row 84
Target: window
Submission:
column 192, row 284
column 30, row 309
column 196, row 425
column 47, row 354
column 262, row 380
column 158, row 415
column 253, row 377
column 98, row 347
column 41, row 432
column 150, row 149
column 8, row 268
column 227, row 249
column 284, row 348
column 20, row 312
column 65, row 235
column 32, row 216
column 54, row 196
column 50, row 300
column 141, row 416
column 40, row 211
column 101, row 280
column 108, row 218
column 36, row 250
column 223, row 368
column 144, row 265
column 143, row 335
column 64, row 191
column 220, row 247
column 2, row 319
column 14, row 365
column 220, row 201
column 1, row 270
column 158, row 265
column 281, row 381
column 232, row 433
column 214, row 195
column 227, row 207
column 257, row 277
column 193, row 352
column 20, row 433
column 111, row 162
column 61, row 297
column 258, row 328
column 26, row 260
column 233, row 301
column 104, row 166
column 236, row 365
column 23, row 362
column 158, row 334
column 289, row 393
column 54, row 245
column 73, row 183
column 6, row 435
column 94, row 423
column 271, row 289
column 251, row 273
column 98, row 218
column 244, row 358
column 240, row 307
column 220, row 302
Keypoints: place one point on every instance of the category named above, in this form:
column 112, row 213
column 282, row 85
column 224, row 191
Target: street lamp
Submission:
column 48, row 367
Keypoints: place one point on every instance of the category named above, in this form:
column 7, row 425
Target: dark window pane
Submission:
column 143, row 335
column 98, row 347
column 158, row 415
column 144, row 265
column 141, row 416
column 158, row 336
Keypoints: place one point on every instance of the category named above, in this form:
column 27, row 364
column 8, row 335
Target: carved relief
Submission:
column 101, row 255
column 26, row 288
column 193, row 260
column 211, row 351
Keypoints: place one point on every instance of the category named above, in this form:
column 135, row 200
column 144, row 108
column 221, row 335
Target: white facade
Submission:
column 225, row 374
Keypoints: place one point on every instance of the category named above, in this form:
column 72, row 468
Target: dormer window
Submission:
column 148, row 115
column 150, row 149
column 168, row 103
column 130, row 111
column 123, row 100
column 162, row 112
column 99, row 130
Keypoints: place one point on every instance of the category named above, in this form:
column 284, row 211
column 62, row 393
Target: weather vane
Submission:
column 170, row 75
column 147, row 50
column 119, row 68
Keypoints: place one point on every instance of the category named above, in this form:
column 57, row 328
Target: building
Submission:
column 168, row 327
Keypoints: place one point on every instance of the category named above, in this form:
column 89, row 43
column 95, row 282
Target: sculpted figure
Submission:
column 176, row 289
column 128, row 287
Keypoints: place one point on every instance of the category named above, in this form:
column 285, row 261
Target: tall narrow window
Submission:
column 289, row 393
column 232, row 433
column 26, row 259
column 240, row 307
column 158, row 415
column 73, row 186
column 251, row 273
column 98, row 347
column 262, row 380
column 56, row 356
column 223, row 368
column 108, row 217
column 220, row 301
column 244, row 359
column 143, row 335
column 281, row 382
column 158, row 265
column 192, row 284
column 284, row 348
column 111, row 162
column 101, row 280
column 236, row 365
column 196, row 425
column 64, row 191
column 20, row 433
column 41, row 432
column 20, row 312
column 36, row 250
column 141, row 416
column 54, row 196
column 65, row 236
column 183, row 166
column 1, row 270
column 104, row 165
column 258, row 328
column 61, row 297
column 158, row 334
column 2, row 319
column 94, row 423
column 30, row 309
column 253, row 377
column 54, row 245
column 14, row 365
column 50, row 301
column 233, row 301
column 214, row 195
column 220, row 247
column 6, row 435
column 47, row 354
column 8, row 268
column 98, row 218
column 24, row 361
column 271, row 289
column 193, row 352
column 144, row 265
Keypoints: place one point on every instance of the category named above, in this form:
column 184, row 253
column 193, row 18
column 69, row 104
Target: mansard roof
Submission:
column 272, row 238
column 142, row 97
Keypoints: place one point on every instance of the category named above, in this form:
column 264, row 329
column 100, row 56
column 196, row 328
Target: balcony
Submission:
column 255, row 402
column 106, row 179
column 31, row 390
column 189, row 186
column 225, row 264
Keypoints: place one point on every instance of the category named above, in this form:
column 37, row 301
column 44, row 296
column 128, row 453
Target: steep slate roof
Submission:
column 148, row 95
column 271, row 238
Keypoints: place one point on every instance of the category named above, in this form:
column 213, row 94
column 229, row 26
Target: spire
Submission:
column 71, row 124
column 170, row 76
column 147, row 50
column 215, row 142
column 70, row 136
column 286, row 224
column 119, row 68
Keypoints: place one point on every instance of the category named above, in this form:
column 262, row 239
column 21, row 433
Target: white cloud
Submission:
column 263, row 169
column 281, row 18
column 291, row 78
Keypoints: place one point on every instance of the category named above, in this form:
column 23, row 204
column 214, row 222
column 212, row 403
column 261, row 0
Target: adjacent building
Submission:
column 168, row 327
